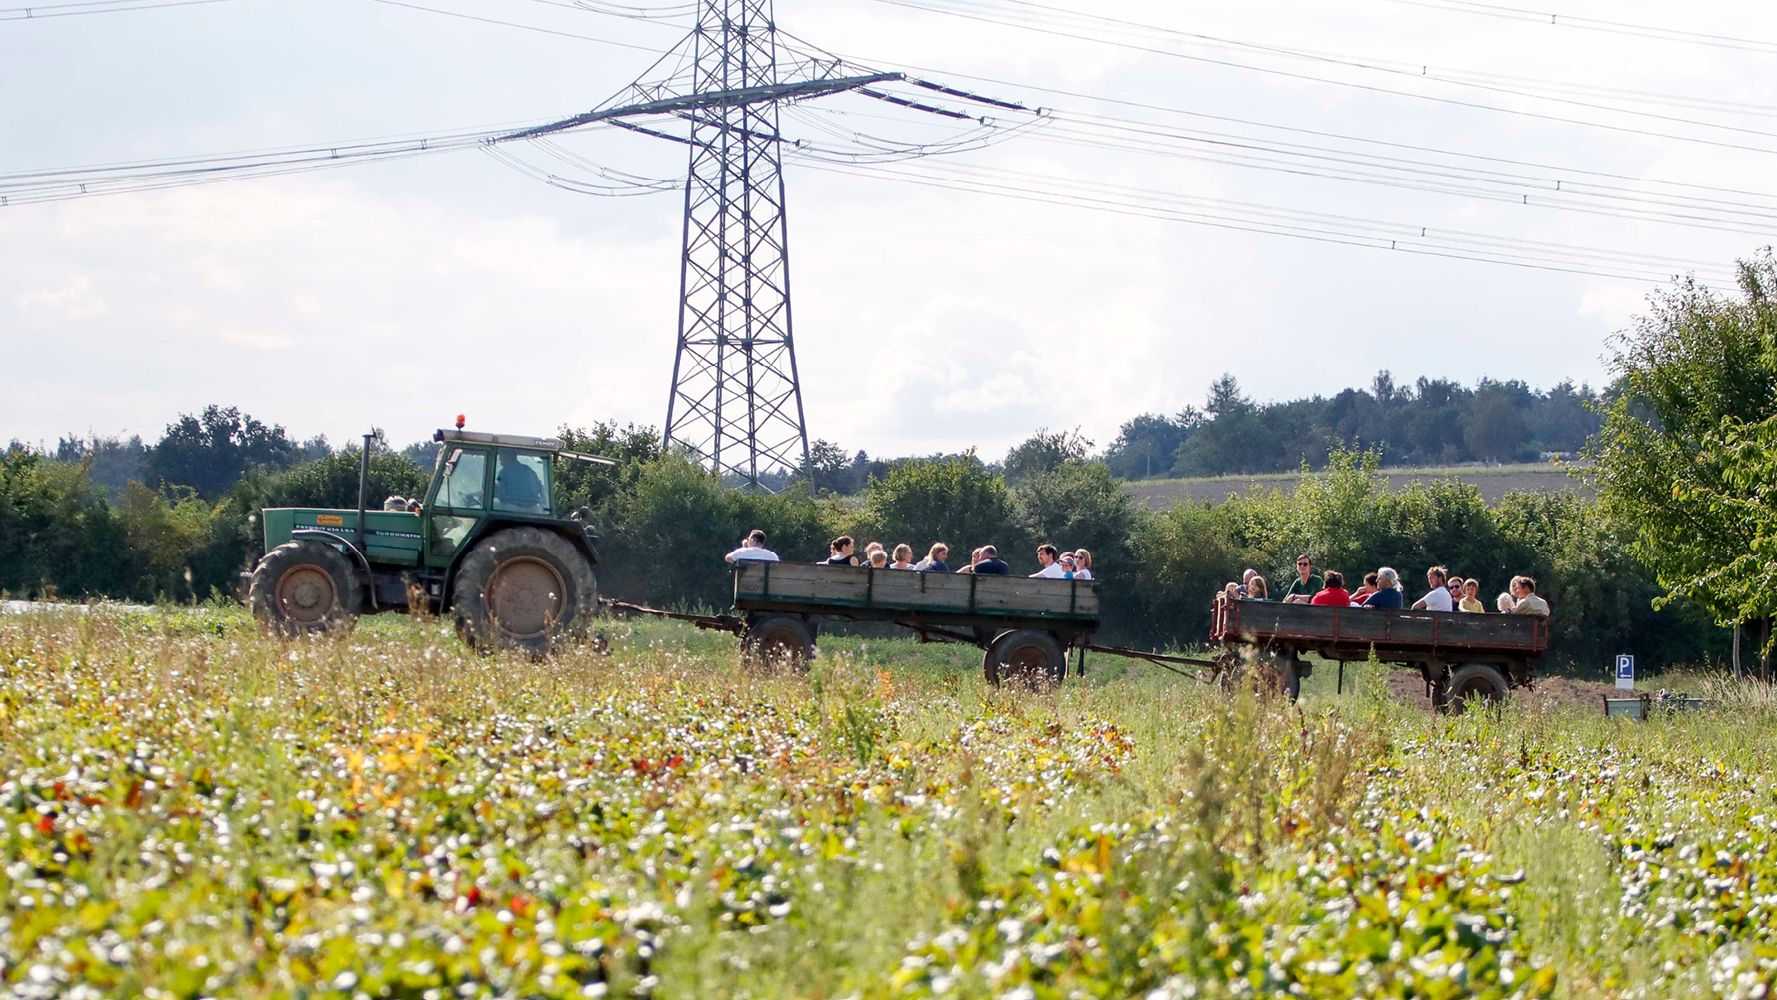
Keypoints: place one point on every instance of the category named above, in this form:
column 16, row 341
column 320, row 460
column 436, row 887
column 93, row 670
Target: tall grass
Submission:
column 191, row 809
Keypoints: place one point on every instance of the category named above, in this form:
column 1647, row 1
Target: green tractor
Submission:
column 484, row 544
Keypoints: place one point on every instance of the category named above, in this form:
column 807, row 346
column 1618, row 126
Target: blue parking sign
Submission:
column 1625, row 671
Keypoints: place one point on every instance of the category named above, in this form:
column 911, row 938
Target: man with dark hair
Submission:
column 1524, row 589
column 752, row 549
column 1048, row 557
column 1306, row 584
column 991, row 564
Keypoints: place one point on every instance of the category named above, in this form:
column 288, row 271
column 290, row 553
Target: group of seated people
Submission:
column 1052, row 562
column 1383, row 589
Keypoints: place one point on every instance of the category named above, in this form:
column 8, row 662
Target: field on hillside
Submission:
column 1494, row 481
column 192, row 810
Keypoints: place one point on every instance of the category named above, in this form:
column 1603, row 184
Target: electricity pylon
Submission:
column 736, row 401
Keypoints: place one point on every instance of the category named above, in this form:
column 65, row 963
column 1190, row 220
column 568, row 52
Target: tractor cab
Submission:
column 480, row 477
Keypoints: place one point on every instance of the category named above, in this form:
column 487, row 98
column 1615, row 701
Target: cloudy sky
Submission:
column 928, row 319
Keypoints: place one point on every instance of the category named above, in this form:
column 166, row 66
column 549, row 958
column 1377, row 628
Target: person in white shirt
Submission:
column 752, row 549
column 1048, row 557
column 1438, row 598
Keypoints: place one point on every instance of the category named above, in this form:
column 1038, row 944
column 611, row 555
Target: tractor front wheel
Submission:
column 523, row 588
column 304, row 588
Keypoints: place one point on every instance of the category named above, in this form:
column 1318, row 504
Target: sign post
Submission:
column 1626, row 671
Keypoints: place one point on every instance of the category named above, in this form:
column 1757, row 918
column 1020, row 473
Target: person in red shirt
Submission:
column 1334, row 593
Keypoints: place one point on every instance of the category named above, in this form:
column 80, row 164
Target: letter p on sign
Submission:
column 1626, row 672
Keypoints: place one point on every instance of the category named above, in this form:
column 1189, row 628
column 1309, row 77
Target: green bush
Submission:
column 57, row 533
column 956, row 500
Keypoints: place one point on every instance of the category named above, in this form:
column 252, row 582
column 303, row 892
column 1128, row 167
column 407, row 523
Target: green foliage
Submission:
column 1693, row 376
column 1077, row 505
column 584, row 484
column 163, row 534
column 57, row 533
column 1045, row 452
column 1432, row 422
column 664, row 541
column 954, row 500
column 1744, row 587
column 333, row 481
column 212, row 451
column 193, row 809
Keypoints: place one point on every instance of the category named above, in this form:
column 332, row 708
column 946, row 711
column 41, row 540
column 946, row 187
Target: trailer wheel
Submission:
column 523, row 588
column 1027, row 656
column 1474, row 680
column 1264, row 672
column 779, row 639
column 304, row 588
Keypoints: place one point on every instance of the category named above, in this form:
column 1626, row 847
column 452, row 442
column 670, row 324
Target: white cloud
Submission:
column 76, row 299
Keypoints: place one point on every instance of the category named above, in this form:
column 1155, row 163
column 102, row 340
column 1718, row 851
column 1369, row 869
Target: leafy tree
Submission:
column 1744, row 589
column 212, row 451
column 333, row 481
column 1494, row 429
column 1146, row 445
column 1077, row 505
column 1694, row 377
column 668, row 535
column 57, row 533
column 1045, row 451
column 956, row 500
column 163, row 534
column 583, row 483
column 110, row 462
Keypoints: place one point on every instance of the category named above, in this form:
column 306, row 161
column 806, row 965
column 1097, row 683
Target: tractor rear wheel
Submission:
column 1474, row 680
column 304, row 588
column 1028, row 657
column 778, row 639
column 523, row 588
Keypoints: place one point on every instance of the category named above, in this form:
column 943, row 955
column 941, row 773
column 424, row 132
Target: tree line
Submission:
column 1682, row 538
column 1428, row 423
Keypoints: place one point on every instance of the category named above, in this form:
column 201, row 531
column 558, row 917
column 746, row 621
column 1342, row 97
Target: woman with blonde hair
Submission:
column 903, row 557
column 1082, row 565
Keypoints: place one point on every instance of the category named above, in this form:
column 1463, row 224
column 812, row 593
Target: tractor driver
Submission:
column 516, row 487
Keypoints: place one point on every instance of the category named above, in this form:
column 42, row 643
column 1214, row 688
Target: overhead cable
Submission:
column 925, row 5
column 1561, row 20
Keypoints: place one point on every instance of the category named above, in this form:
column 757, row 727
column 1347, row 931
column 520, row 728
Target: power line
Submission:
column 1595, row 24
column 511, row 24
column 1371, row 88
column 1299, row 130
column 1060, row 16
column 42, row 12
column 1525, row 257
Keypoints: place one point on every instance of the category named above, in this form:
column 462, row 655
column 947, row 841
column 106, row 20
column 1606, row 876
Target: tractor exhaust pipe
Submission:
column 363, row 491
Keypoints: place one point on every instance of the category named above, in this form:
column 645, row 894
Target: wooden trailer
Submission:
column 1461, row 655
column 1026, row 627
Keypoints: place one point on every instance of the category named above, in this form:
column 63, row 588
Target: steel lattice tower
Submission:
column 736, row 402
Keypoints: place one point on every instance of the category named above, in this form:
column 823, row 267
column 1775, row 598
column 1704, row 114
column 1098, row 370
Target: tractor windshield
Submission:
column 464, row 475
